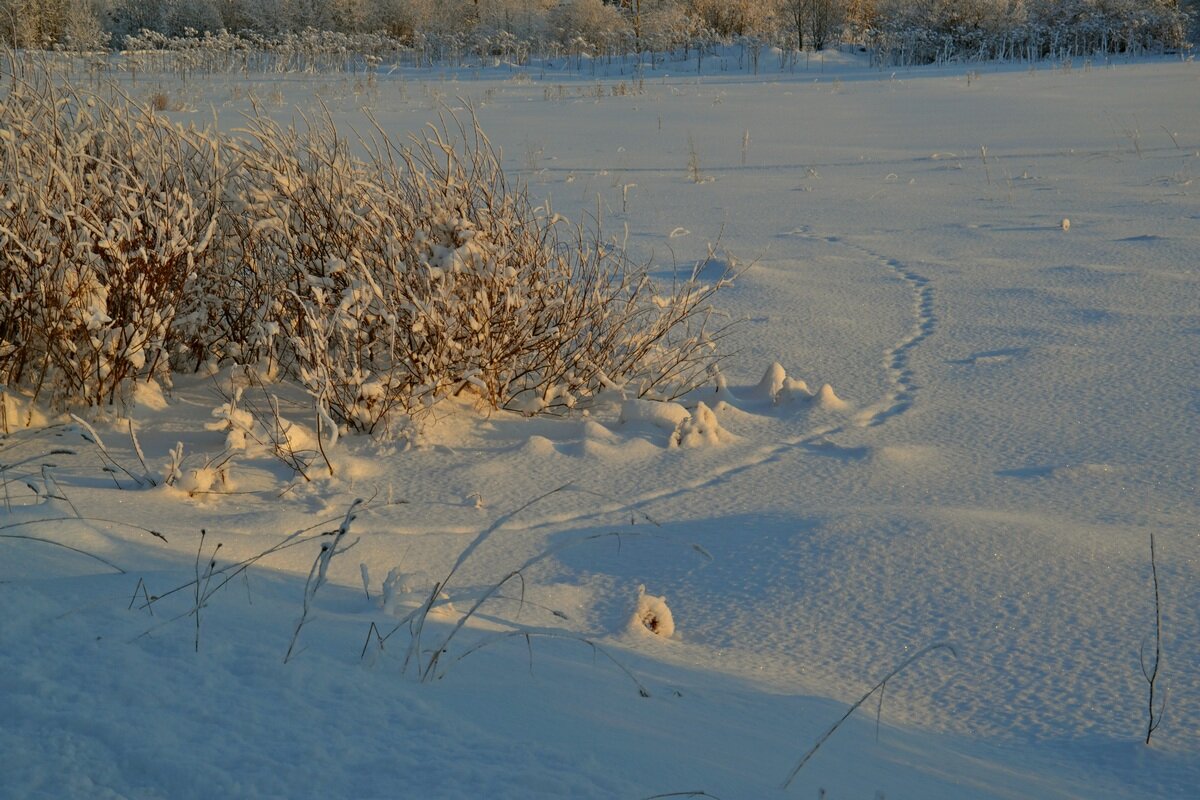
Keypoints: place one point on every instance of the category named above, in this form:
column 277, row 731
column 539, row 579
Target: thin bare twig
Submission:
column 896, row 671
column 1155, row 715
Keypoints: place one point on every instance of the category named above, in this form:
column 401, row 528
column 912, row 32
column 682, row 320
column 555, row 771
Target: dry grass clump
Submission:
column 134, row 248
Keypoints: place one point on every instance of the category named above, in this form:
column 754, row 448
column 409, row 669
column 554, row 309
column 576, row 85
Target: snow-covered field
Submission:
column 1013, row 411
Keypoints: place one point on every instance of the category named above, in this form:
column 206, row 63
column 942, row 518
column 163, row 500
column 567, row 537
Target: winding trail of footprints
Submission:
column 897, row 359
column 899, row 398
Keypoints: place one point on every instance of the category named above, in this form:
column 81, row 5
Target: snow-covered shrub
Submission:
column 279, row 49
column 665, row 26
column 401, row 18
column 106, row 208
column 131, row 247
column 128, row 17
column 419, row 273
column 240, row 426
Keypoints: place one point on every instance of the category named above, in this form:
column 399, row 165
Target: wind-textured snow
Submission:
column 1009, row 408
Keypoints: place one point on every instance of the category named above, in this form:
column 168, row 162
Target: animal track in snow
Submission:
column 898, row 358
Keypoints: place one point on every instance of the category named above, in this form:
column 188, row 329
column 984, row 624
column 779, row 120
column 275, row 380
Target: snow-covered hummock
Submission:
column 826, row 398
column 201, row 480
column 700, row 429
column 661, row 414
column 777, row 389
column 652, row 615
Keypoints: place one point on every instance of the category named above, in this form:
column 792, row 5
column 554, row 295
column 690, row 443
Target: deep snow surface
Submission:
column 1021, row 412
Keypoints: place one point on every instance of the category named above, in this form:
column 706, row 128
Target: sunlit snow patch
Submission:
column 148, row 395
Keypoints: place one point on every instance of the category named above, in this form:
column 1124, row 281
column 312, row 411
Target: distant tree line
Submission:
column 906, row 31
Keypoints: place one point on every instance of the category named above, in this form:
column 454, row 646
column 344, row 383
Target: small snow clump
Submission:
column 653, row 615
column 829, row 401
column 700, row 429
column 777, row 388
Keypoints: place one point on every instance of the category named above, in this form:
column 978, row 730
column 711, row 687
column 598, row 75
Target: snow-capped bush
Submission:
column 132, row 247
column 420, row 273
column 107, row 209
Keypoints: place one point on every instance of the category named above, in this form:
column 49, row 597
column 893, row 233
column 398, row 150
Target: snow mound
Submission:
column 594, row 431
column 826, row 399
column 148, row 395
column 538, row 447
column 777, row 389
column 721, row 391
column 771, row 385
column 652, row 615
column 665, row 415
column 687, row 428
column 700, row 429
column 211, row 478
